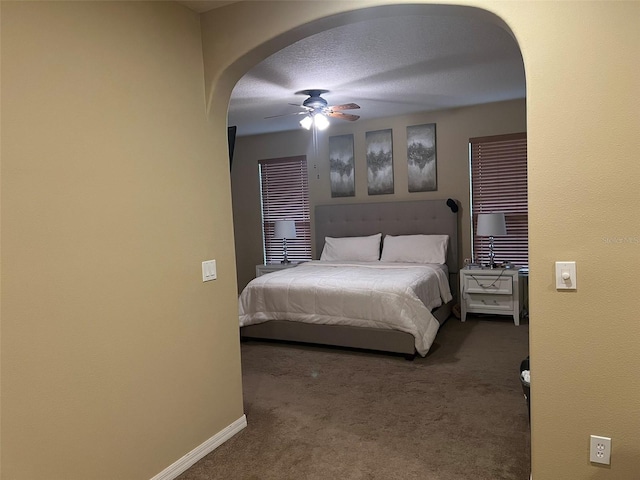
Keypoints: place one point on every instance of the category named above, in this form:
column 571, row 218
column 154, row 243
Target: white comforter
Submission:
column 381, row 295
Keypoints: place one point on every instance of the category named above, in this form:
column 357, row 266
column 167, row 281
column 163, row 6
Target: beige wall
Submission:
column 453, row 130
column 116, row 358
column 111, row 173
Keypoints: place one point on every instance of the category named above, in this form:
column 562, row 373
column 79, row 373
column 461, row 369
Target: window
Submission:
column 284, row 192
column 499, row 184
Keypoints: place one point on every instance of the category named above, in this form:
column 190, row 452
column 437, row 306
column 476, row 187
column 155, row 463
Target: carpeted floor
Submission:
column 320, row 413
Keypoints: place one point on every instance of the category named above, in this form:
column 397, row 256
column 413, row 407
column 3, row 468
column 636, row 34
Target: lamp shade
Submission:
column 306, row 122
column 320, row 121
column 284, row 229
column 491, row 224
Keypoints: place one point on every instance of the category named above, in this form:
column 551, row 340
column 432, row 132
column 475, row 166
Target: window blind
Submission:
column 284, row 192
column 499, row 184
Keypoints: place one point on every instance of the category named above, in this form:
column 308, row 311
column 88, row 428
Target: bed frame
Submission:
column 359, row 219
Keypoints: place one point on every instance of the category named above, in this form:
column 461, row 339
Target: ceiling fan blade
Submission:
column 300, row 106
column 287, row 114
column 343, row 116
column 346, row 106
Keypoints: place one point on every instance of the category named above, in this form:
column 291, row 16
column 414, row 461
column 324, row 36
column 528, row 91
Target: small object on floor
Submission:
column 456, row 310
column 525, row 380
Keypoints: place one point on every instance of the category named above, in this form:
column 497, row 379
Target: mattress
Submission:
column 376, row 294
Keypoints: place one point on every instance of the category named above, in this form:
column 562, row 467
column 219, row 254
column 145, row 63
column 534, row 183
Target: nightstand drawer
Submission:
column 489, row 302
column 493, row 284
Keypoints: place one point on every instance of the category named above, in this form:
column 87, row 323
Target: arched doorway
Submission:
column 341, row 20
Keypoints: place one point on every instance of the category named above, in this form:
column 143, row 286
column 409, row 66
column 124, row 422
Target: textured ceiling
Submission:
column 389, row 66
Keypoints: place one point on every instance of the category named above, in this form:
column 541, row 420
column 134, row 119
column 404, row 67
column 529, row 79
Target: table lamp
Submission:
column 491, row 225
column 285, row 229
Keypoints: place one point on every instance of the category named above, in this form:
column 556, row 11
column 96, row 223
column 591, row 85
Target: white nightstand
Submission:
column 494, row 291
column 273, row 267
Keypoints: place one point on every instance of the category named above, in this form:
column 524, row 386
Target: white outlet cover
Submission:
column 600, row 450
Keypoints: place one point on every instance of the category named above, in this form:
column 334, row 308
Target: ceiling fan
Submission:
column 316, row 109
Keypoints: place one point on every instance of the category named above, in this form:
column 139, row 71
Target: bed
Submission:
column 396, row 306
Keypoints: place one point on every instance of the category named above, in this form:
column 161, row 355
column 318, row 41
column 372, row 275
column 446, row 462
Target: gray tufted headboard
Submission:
column 393, row 218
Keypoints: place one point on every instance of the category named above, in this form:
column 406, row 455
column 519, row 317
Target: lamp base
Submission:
column 285, row 260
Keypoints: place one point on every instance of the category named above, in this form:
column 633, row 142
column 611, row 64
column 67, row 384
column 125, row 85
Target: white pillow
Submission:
column 354, row 249
column 415, row 249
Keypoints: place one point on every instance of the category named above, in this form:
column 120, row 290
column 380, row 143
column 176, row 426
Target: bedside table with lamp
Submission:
column 283, row 229
column 491, row 289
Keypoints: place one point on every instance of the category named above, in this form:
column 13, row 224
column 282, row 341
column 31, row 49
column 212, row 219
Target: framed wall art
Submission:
column 379, row 162
column 342, row 166
column 421, row 158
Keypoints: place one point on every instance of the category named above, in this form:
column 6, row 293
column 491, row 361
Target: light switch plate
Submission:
column 566, row 276
column 209, row 270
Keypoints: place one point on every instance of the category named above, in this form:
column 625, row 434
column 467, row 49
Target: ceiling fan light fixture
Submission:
column 317, row 111
column 321, row 122
column 306, row 122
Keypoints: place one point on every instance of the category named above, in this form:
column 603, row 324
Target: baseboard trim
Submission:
column 183, row 464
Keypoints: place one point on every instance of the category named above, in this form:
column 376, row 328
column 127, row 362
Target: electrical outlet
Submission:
column 600, row 451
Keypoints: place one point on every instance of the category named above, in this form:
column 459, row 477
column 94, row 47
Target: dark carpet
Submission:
column 321, row 413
